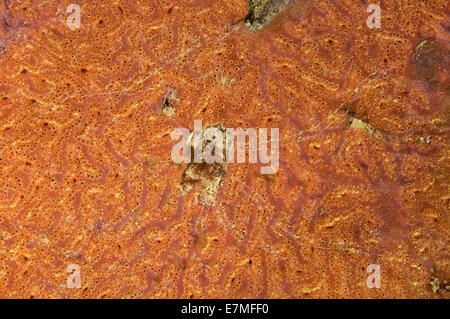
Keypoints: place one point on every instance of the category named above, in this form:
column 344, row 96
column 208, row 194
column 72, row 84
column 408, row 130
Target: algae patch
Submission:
column 262, row 11
column 438, row 285
column 167, row 105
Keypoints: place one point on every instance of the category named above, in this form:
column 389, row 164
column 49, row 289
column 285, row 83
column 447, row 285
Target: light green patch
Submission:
column 359, row 124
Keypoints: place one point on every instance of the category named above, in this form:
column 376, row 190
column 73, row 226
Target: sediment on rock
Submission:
column 208, row 175
column 354, row 122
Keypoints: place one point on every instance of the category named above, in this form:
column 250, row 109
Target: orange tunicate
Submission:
column 86, row 175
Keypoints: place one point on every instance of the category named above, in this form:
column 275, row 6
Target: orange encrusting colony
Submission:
column 87, row 178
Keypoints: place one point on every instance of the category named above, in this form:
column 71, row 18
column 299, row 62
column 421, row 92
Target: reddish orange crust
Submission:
column 87, row 178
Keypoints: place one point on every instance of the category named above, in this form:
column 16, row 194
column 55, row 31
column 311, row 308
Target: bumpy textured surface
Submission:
column 86, row 174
